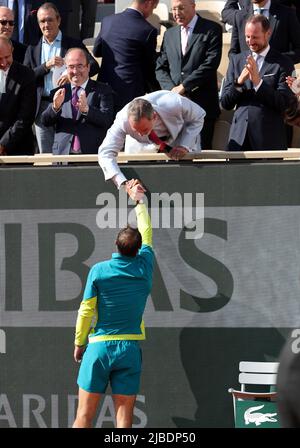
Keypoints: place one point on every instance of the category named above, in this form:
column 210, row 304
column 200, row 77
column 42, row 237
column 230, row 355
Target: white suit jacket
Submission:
column 182, row 117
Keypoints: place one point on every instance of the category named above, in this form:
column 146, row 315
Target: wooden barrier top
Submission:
column 205, row 155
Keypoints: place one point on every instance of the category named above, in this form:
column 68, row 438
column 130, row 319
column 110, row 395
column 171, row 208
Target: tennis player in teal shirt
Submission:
column 114, row 299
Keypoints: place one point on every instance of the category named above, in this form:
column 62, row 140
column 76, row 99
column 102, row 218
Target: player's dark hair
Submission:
column 129, row 241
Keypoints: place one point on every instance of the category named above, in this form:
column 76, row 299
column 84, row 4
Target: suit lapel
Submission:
column 268, row 61
column 12, row 85
column 239, row 69
column 89, row 89
column 64, row 46
column 38, row 52
column 273, row 19
column 195, row 35
column 178, row 40
column 264, row 68
column 67, row 106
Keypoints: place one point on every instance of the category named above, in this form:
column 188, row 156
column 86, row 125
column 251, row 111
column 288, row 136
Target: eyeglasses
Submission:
column 7, row 22
column 78, row 67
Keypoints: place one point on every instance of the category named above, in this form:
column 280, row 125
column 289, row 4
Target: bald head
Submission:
column 6, row 53
column 5, row 10
column 6, row 21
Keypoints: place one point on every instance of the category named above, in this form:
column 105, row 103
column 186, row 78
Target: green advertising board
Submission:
column 226, row 284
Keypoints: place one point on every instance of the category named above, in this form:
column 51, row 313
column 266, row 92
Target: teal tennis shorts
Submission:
column 116, row 362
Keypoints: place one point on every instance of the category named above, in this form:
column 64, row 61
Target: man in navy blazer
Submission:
column 44, row 58
column 285, row 27
column 95, row 109
column 127, row 45
column 256, row 87
column 194, row 73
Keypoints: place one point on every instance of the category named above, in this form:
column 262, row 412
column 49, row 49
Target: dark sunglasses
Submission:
column 5, row 22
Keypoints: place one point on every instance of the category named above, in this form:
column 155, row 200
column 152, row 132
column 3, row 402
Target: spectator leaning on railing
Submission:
column 160, row 121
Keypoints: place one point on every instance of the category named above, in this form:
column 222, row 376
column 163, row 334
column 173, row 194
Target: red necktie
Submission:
column 163, row 147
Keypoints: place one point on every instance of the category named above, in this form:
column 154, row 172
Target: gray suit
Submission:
column 183, row 119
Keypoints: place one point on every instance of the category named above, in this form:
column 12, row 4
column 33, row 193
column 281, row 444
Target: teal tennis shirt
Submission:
column 116, row 292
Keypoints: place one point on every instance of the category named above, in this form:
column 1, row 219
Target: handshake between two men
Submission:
column 135, row 190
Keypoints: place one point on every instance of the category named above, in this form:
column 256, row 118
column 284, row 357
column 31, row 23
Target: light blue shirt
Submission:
column 48, row 52
column 21, row 18
column 265, row 8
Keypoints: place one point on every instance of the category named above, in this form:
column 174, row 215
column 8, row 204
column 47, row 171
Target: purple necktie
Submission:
column 76, row 141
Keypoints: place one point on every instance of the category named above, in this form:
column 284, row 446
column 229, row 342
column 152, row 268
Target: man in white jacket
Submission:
column 161, row 121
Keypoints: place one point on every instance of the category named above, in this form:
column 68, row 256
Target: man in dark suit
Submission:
column 293, row 4
column 27, row 30
column 285, row 27
column 17, row 103
column 127, row 45
column 6, row 29
column 191, row 69
column 233, row 6
column 256, row 86
column 46, row 59
column 84, row 12
column 88, row 120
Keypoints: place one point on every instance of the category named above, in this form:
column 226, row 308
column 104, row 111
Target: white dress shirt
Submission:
column 3, row 76
column 49, row 50
column 189, row 30
column 261, row 59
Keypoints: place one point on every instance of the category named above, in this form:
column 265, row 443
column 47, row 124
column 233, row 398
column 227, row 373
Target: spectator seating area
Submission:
column 162, row 19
